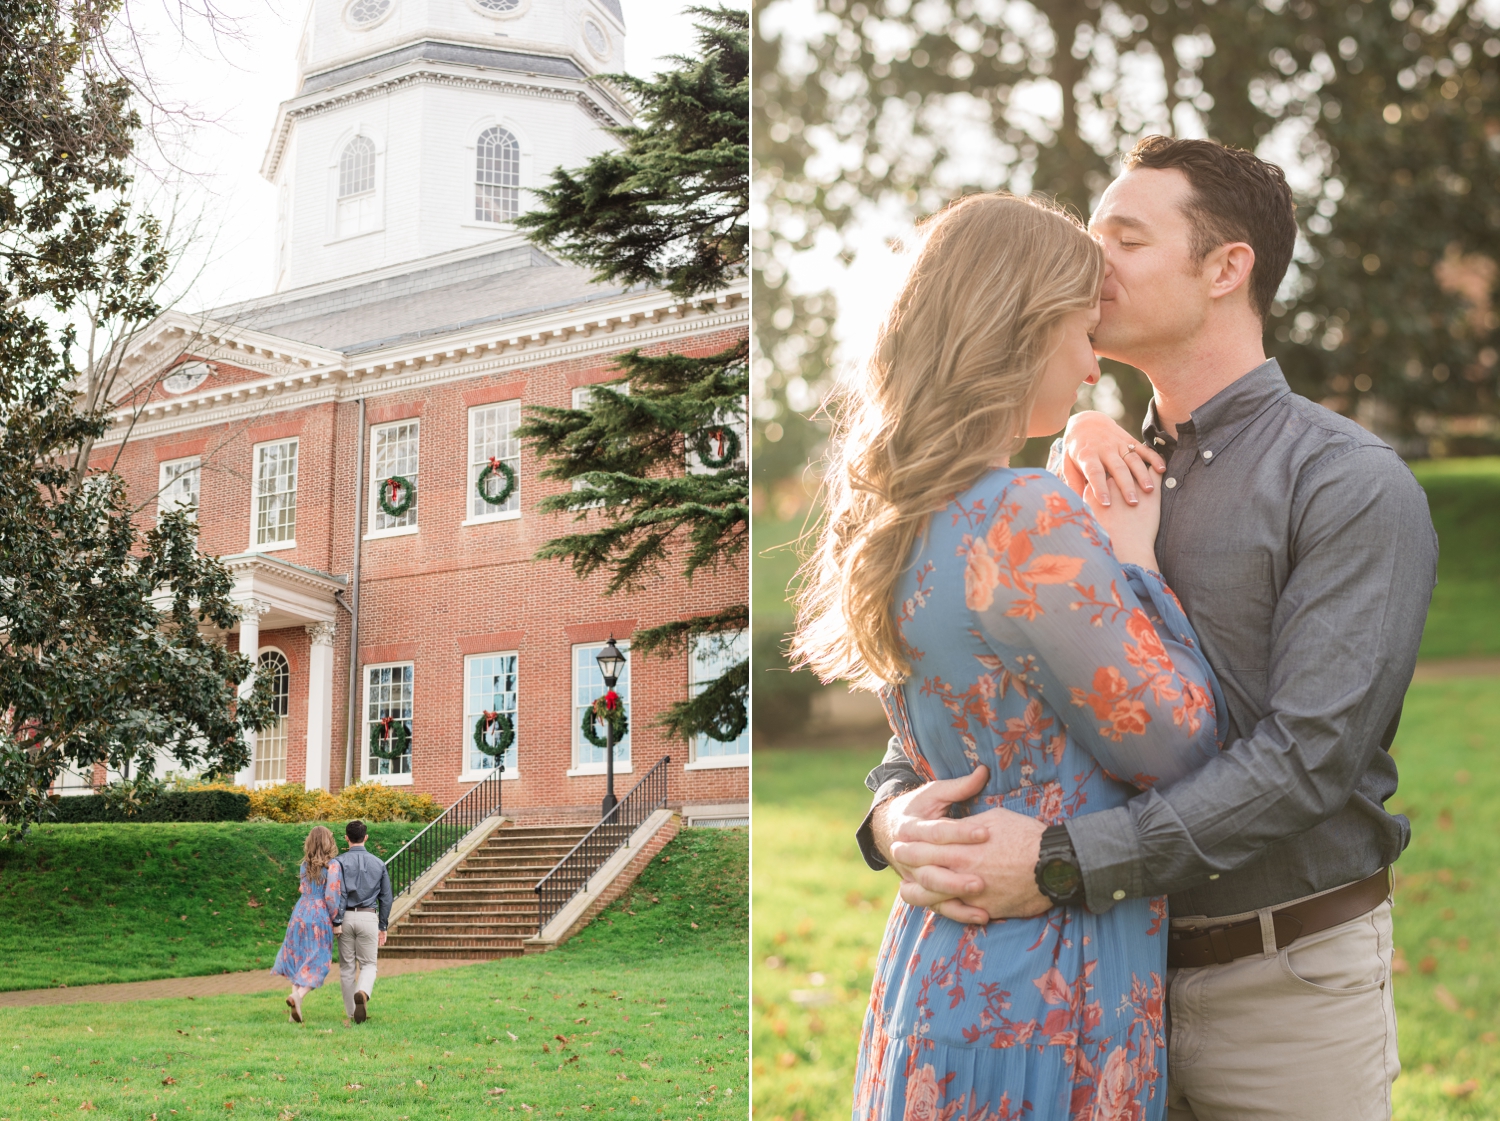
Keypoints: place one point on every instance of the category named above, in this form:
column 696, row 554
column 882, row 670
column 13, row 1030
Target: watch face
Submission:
column 1060, row 878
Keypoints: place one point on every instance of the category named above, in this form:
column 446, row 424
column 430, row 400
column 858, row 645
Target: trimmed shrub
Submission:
column 374, row 801
column 289, row 802
column 188, row 805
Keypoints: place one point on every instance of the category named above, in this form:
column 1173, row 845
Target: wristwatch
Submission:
column 1057, row 873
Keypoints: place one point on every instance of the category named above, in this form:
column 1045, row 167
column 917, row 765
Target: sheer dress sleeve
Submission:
column 1106, row 644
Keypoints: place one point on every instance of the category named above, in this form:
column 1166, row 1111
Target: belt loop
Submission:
column 1267, row 933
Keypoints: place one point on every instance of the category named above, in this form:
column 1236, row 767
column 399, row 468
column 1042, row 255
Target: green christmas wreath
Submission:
column 397, row 732
column 505, row 733
column 727, row 729
column 506, row 491
column 724, row 441
column 388, row 491
column 610, row 709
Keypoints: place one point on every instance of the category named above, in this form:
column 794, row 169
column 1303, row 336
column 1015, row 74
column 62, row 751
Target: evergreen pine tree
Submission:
column 667, row 208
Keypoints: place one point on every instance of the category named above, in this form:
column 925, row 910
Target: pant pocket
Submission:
column 1344, row 960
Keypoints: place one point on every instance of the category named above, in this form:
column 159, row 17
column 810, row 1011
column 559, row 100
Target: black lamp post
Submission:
column 611, row 661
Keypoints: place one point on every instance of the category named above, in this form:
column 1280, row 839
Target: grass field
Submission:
column 1464, row 496
column 81, row 904
column 643, row 1015
column 820, row 914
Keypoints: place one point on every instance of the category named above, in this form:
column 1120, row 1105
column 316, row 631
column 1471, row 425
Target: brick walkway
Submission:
column 256, row 981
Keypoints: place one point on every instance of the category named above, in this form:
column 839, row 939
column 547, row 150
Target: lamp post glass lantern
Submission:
column 611, row 661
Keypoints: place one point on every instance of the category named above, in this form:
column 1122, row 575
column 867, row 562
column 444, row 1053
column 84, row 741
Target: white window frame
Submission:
column 580, row 397
column 478, row 463
column 402, row 778
column 706, row 648
column 373, row 511
column 366, row 207
column 285, row 720
column 575, row 710
column 471, row 714
column 477, row 184
column 165, row 477
column 255, row 452
column 737, row 423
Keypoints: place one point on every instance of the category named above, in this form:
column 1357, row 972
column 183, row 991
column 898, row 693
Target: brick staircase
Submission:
column 487, row 905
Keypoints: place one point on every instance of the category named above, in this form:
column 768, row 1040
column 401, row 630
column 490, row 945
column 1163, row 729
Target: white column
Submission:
column 319, row 704
column 250, row 613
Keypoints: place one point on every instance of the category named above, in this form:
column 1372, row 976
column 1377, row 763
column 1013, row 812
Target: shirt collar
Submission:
column 1224, row 416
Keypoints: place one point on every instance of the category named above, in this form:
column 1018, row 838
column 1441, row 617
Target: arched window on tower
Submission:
column 497, row 176
column 357, row 212
column 270, row 741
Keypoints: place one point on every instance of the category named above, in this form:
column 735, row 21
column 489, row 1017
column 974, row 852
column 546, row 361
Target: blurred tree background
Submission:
column 1385, row 113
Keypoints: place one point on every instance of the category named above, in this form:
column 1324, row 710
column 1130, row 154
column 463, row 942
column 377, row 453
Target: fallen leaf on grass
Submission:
column 87, row 1107
column 1461, row 1090
column 1399, row 963
column 355, row 1086
column 1428, row 964
column 254, row 903
column 496, row 1090
column 693, row 925
column 645, row 1066
column 168, row 1081
column 1445, row 998
column 786, row 1059
column 513, row 1036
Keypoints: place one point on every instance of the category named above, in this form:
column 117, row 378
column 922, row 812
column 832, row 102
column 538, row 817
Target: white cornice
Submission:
column 629, row 321
column 595, row 98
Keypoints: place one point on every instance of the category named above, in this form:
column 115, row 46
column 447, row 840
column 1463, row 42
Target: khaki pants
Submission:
column 358, row 944
column 1307, row 1033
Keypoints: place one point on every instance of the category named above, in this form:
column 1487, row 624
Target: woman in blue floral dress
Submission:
column 307, row 949
column 1007, row 628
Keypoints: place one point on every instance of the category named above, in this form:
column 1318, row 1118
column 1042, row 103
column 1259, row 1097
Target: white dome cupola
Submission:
column 418, row 126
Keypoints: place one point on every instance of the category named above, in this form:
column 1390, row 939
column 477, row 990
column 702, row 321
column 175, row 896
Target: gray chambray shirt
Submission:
column 1302, row 550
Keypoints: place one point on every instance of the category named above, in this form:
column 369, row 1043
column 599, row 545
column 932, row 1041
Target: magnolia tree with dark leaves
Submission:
column 111, row 649
column 664, row 463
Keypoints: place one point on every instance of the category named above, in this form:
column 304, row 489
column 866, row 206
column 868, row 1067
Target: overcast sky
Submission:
column 235, row 87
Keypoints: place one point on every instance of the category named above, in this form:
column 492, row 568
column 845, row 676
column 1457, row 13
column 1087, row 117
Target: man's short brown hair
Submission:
column 1236, row 196
column 356, row 831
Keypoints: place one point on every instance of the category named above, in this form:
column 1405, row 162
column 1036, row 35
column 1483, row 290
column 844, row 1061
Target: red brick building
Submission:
column 282, row 419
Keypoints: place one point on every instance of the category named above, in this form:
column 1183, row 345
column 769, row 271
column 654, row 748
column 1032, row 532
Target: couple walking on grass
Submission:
column 1144, row 701
column 346, row 896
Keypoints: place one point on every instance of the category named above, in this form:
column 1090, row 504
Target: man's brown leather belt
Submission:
column 1220, row 945
column 361, row 908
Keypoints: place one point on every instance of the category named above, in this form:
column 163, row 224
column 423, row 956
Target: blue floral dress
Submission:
column 307, row 949
column 1077, row 681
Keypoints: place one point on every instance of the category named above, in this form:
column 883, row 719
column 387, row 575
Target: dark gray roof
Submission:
column 429, row 51
column 613, row 8
column 506, row 285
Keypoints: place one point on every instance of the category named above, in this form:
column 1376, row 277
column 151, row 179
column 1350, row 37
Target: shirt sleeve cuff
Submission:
column 865, row 834
column 1109, row 856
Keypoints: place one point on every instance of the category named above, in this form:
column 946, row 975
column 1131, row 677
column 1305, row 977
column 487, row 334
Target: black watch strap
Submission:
column 1058, row 876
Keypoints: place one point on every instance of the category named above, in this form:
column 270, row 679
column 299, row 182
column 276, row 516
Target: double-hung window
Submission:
column 388, row 697
column 393, row 459
column 276, row 494
column 719, row 443
column 493, row 440
column 710, row 657
column 588, row 686
column 491, row 687
column 177, row 487
column 583, row 396
column 357, row 203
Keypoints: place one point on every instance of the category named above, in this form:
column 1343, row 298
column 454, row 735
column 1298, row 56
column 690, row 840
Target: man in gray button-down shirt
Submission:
column 1302, row 550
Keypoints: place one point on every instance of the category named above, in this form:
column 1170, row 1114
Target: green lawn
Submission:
column 644, row 1014
column 820, row 914
column 81, row 904
column 1464, row 496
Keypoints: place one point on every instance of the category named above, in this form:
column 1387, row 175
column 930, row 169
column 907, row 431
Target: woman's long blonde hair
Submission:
column 317, row 851
column 947, row 394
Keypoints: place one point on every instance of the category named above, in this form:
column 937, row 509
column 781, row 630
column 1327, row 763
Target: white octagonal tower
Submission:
column 419, row 125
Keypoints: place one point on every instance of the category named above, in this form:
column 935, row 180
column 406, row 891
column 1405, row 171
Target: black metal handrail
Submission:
column 444, row 832
column 571, row 874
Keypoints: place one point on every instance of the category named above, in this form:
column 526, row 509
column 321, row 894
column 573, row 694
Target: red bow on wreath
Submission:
column 494, row 463
column 719, row 439
column 395, row 486
column 385, row 727
column 611, row 701
column 490, row 717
